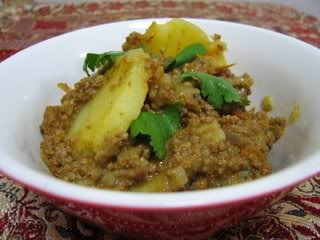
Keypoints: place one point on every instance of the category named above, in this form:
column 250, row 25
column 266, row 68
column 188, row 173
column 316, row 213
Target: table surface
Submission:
column 25, row 215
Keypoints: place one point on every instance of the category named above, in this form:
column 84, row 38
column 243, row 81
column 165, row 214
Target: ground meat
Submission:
column 133, row 41
column 233, row 151
column 130, row 166
column 195, row 143
column 205, row 64
column 249, row 137
column 160, row 92
column 242, row 83
column 82, row 93
column 56, row 149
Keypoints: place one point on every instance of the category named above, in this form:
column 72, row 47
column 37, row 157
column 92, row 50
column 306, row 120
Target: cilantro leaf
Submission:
column 171, row 115
column 188, row 54
column 216, row 90
column 151, row 124
column 95, row 60
column 158, row 126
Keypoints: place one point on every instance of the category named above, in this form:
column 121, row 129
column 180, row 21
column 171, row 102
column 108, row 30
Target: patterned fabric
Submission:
column 25, row 215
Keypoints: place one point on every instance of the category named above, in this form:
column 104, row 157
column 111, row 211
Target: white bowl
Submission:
column 283, row 67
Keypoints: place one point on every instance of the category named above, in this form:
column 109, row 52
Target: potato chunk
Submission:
column 167, row 181
column 172, row 37
column 111, row 111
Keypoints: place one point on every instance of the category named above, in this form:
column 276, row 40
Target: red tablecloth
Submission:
column 25, row 215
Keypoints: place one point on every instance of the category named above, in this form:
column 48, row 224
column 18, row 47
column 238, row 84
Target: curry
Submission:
column 165, row 114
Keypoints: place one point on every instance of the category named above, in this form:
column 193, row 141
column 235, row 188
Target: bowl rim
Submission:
column 58, row 189
column 57, row 197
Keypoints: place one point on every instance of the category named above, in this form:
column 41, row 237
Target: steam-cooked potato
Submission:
column 114, row 107
column 170, row 38
column 170, row 180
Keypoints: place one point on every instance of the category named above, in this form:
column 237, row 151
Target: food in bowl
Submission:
column 165, row 114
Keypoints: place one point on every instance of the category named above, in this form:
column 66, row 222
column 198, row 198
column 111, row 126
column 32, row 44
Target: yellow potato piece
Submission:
column 114, row 107
column 172, row 37
column 159, row 183
column 168, row 181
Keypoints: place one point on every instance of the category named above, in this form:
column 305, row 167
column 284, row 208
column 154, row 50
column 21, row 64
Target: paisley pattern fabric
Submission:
column 27, row 216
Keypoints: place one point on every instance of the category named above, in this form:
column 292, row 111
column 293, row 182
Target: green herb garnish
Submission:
column 158, row 126
column 95, row 60
column 186, row 55
column 216, row 90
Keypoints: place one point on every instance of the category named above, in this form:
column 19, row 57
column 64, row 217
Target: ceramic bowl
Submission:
column 283, row 67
